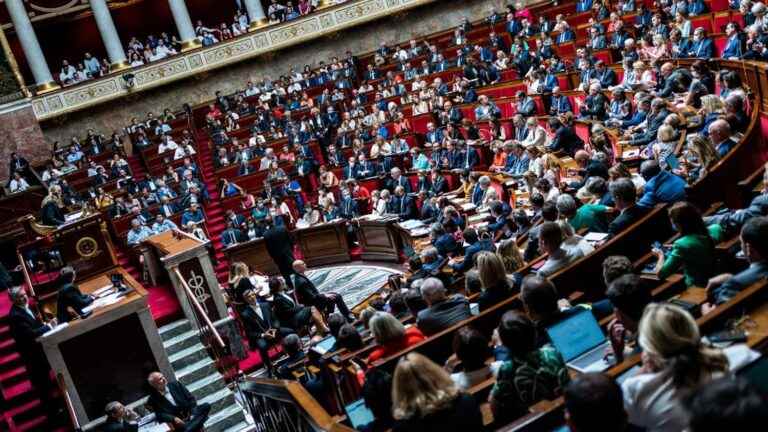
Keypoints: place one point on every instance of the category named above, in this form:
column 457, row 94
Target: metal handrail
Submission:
column 26, row 273
column 68, row 401
column 199, row 308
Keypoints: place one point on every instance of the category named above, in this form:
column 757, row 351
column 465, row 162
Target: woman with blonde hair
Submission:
column 675, row 362
column 391, row 335
column 711, row 110
column 239, row 281
column 700, row 157
column 510, row 255
column 664, row 148
column 425, row 398
column 493, row 278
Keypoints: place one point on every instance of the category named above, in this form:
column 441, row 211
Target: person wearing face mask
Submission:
column 702, row 46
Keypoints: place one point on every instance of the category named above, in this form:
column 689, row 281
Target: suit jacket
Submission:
column 70, row 296
column 285, row 311
column 51, row 215
column 664, row 187
column 305, row 290
column 280, row 247
column 438, row 186
column 734, row 219
column 112, row 425
column 470, row 252
column 25, row 329
column 256, row 325
column 702, row 49
column 626, row 218
column 164, row 410
column 566, row 140
column 739, row 281
column 403, row 206
column 442, row 315
column 734, row 48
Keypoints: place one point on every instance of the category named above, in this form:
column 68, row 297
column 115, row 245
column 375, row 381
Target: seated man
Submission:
column 477, row 242
column 193, row 214
column 629, row 298
column 550, row 242
column 661, row 186
column 70, row 296
column 624, row 196
column 232, row 235
column 173, row 403
column 754, row 245
column 442, row 311
column 720, row 135
column 138, row 233
column 120, row 418
column 702, row 46
column 259, row 326
column 162, row 224
column 307, row 293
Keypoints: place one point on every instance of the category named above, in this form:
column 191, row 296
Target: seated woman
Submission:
column 699, row 156
column 694, row 251
column 424, row 398
column 496, row 286
column 391, row 336
column 711, row 110
column 291, row 314
column 230, row 189
column 467, row 364
column 327, row 178
column 675, row 363
column 529, row 374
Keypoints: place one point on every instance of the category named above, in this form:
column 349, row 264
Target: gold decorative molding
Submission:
column 259, row 42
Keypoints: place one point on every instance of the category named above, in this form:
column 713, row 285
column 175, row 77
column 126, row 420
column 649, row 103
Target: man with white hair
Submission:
column 25, row 327
column 478, row 195
column 173, row 403
column 595, row 105
column 442, row 311
column 397, row 179
column 720, row 135
column 120, row 418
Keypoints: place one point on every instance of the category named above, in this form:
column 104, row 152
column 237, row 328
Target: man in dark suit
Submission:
column 402, row 205
column 260, row 326
column 702, row 46
column 70, row 296
column 173, row 403
column 120, row 418
column 442, row 311
column 476, row 244
column 307, row 293
column 25, row 328
column 625, row 199
column 565, row 139
column 397, row 179
column 280, row 248
column 438, row 184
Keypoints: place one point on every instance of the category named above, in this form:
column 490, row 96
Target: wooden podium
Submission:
column 325, row 243
column 379, row 239
column 121, row 336
column 185, row 256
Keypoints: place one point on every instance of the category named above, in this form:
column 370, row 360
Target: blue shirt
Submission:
column 136, row 237
column 167, row 225
column 665, row 187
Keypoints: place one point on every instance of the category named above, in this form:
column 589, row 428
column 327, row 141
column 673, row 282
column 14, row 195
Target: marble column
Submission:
column 31, row 46
column 184, row 24
column 255, row 13
column 109, row 35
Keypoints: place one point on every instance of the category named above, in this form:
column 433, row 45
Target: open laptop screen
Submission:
column 576, row 334
column 358, row 414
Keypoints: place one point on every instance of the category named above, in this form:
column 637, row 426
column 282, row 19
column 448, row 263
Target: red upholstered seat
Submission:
column 704, row 21
column 720, row 43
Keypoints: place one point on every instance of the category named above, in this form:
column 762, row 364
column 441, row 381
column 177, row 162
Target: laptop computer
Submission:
column 324, row 345
column 358, row 414
column 581, row 342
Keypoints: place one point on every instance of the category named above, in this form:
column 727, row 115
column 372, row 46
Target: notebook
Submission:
column 358, row 414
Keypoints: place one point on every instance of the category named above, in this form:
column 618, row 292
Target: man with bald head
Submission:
column 173, row 403
column 307, row 293
column 720, row 135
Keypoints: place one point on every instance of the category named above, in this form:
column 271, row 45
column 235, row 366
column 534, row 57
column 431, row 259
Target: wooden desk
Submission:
column 325, row 243
column 254, row 254
column 118, row 337
column 379, row 240
column 168, row 244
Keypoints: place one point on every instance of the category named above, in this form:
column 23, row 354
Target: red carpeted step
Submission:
column 16, row 390
column 23, row 408
column 11, row 375
column 38, row 423
column 9, row 360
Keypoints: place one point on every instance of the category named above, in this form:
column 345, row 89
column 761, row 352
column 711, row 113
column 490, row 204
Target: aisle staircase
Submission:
column 197, row 371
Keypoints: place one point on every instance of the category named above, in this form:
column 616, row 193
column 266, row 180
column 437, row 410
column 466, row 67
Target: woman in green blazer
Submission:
column 694, row 251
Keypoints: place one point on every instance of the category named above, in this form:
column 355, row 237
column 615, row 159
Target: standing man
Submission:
column 26, row 327
column 173, row 403
column 280, row 248
column 307, row 293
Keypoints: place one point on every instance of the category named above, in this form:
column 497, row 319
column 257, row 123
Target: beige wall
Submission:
column 422, row 21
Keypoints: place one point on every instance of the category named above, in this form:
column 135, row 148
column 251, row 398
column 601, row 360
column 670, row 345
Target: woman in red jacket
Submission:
column 391, row 336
